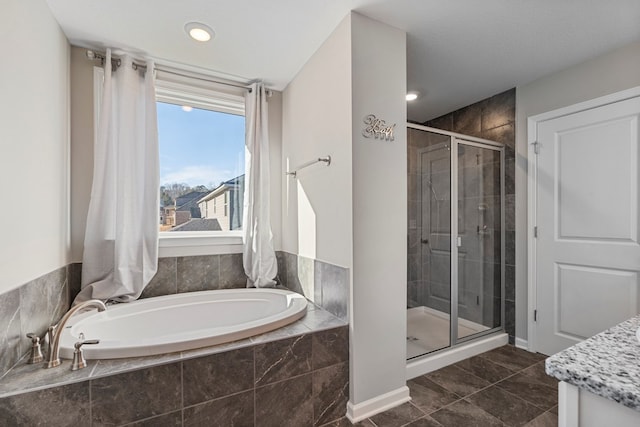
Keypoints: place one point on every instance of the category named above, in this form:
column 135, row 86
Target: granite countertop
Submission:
column 24, row 378
column 607, row 364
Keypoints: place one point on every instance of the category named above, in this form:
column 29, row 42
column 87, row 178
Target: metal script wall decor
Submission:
column 377, row 128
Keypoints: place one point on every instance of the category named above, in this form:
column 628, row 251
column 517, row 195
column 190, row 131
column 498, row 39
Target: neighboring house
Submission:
column 185, row 208
column 225, row 204
column 164, row 218
column 199, row 224
column 168, row 217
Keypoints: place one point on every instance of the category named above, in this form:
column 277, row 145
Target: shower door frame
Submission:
column 456, row 140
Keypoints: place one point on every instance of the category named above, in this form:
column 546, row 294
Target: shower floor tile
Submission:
column 428, row 330
column 521, row 394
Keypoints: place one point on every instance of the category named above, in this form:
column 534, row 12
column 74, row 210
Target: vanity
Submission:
column 600, row 379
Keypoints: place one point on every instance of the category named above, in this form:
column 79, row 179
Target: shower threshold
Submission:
column 450, row 355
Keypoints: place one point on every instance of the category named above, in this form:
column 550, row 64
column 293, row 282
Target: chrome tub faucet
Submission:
column 54, row 331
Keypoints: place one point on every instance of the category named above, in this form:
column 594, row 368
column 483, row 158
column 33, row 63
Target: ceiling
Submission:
column 458, row 51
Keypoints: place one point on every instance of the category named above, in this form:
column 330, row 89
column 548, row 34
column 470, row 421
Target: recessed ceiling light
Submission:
column 186, row 108
column 412, row 96
column 199, row 32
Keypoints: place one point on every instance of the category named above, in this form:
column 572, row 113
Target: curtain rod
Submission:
column 115, row 63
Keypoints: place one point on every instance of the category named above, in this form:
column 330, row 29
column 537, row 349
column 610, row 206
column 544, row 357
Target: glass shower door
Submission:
column 455, row 239
column 479, row 242
column 429, row 281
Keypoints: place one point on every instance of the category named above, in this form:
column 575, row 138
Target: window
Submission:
column 201, row 136
column 201, row 151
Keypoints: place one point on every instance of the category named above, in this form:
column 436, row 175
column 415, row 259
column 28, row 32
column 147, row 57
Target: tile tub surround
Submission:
column 327, row 285
column 40, row 303
column 36, row 305
column 33, row 307
column 297, row 375
column 605, row 364
column 184, row 274
column 494, row 119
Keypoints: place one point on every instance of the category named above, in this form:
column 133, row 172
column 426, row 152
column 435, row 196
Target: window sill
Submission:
column 193, row 243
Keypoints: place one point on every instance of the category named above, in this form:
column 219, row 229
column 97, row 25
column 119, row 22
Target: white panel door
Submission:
column 587, row 251
column 435, row 207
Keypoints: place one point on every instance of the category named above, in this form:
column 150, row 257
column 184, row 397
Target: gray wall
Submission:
column 612, row 72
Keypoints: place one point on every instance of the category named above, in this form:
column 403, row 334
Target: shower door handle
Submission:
column 425, row 241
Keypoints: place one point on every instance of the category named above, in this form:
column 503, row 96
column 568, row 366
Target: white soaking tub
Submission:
column 180, row 322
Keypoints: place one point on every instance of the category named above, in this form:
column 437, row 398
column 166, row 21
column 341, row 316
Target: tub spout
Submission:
column 54, row 331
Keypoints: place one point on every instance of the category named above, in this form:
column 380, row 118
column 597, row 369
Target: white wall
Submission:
column 316, row 209
column 615, row 71
column 335, row 214
column 379, row 292
column 34, row 142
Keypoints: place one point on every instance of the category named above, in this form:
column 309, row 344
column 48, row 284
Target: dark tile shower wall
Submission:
column 494, row 119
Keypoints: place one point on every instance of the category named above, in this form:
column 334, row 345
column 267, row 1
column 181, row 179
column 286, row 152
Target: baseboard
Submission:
column 522, row 343
column 444, row 358
column 368, row 408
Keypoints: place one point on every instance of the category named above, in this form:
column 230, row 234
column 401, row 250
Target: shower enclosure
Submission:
column 455, row 239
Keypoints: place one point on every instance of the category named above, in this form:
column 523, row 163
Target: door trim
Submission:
column 532, row 192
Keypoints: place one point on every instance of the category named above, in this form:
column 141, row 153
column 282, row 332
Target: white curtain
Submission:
column 121, row 241
column 259, row 257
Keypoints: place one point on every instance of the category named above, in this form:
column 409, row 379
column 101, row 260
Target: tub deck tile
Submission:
column 292, row 330
column 172, row 419
column 107, row 367
column 234, row 410
column 215, row 349
column 330, row 347
column 330, row 393
column 287, row 403
column 133, row 396
column 279, row 360
column 318, row 320
column 24, row 378
column 218, row 375
column 68, row 405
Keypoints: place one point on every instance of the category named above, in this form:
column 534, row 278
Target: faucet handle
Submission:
column 83, row 342
column 79, row 361
column 36, row 352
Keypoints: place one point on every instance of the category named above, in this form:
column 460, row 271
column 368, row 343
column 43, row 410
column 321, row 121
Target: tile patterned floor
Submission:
column 503, row 387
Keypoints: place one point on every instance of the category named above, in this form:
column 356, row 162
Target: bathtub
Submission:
column 181, row 322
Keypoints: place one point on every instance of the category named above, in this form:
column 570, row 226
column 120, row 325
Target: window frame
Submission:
column 198, row 93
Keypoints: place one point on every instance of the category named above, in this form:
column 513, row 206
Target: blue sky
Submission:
column 199, row 147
